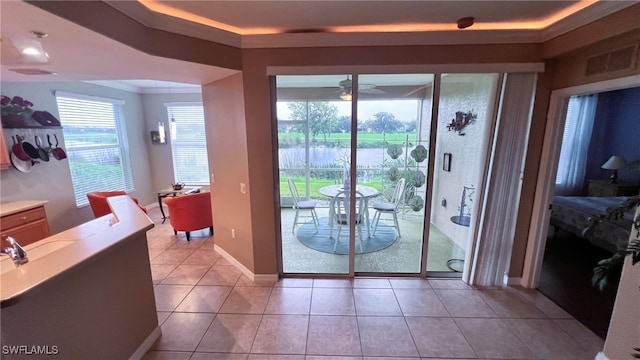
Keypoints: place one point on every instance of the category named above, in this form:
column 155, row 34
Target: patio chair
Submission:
column 389, row 207
column 302, row 205
column 340, row 214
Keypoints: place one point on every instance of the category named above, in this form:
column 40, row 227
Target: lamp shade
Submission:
column 615, row 163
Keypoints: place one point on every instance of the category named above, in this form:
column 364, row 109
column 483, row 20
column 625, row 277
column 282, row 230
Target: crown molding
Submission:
column 592, row 13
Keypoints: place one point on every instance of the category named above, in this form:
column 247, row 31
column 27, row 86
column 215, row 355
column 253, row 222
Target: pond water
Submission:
column 323, row 156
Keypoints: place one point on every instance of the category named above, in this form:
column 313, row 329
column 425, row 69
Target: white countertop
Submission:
column 86, row 241
column 12, row 207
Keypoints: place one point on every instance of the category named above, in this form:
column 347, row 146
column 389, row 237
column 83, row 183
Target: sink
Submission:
column 34, row 252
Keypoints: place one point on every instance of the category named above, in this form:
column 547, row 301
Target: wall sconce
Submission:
column 173, row 129
column 614, row 163
column 162, row 133
column 159, row 137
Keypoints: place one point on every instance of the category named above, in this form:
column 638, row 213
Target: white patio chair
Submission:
column 302, row 205
column 389, row 207
column 340, row 211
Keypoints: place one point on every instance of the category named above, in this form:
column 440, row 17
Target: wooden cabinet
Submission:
column 605, row 188
column 27, row 226
column 4, row 152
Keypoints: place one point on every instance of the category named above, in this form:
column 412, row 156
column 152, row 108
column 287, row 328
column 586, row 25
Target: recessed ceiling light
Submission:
column 29, row 50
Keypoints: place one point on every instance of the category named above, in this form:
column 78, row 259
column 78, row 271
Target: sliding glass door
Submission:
column 371, row 182
column 393, row 128
column 314, row 147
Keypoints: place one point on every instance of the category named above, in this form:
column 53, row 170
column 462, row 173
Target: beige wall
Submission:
column 224, row 107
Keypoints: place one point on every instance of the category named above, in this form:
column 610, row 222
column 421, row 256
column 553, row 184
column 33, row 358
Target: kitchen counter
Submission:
column 87, row 290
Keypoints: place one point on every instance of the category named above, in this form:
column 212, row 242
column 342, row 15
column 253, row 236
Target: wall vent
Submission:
column 621, row 59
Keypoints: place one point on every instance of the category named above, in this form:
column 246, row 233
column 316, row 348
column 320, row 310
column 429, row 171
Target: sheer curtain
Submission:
column 575, row 144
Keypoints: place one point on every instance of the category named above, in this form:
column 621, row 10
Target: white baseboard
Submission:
column 243, row 269
column 146, row 344
column 601, row 356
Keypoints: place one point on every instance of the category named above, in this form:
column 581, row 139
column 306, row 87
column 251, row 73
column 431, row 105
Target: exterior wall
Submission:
column 51, row 180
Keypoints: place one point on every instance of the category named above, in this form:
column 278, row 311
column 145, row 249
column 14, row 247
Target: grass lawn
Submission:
column 315, row 185
column 396, row 138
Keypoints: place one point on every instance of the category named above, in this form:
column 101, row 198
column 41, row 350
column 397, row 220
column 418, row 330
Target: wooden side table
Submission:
column 605, row 188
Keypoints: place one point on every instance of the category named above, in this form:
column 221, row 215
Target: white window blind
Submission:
column 96, row 144
column 189, row 144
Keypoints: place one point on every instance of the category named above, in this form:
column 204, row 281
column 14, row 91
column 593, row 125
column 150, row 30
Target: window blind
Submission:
column 96, row 144
column 189, row 144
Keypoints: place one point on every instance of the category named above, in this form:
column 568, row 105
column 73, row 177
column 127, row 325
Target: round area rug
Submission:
column 384, row 237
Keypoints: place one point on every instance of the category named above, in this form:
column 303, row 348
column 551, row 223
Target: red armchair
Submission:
column 99, row 205
column 190, row 212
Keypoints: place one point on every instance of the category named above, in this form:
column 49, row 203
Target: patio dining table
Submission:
column 367, row 192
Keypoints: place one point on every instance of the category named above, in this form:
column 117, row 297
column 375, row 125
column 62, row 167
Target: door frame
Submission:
column 356, row 70
column 545, row 184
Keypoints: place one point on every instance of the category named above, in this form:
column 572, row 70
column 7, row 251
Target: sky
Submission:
column 403, row 110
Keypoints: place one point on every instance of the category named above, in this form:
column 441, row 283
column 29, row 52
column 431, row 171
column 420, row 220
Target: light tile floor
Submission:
column 208, row 310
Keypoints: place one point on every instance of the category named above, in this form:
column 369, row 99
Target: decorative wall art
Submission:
column 461, row 120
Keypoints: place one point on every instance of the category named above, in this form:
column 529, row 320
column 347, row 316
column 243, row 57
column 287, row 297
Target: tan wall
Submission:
column 224, row 107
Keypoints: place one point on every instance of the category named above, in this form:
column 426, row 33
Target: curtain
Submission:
column 497, row 224
column 578, row 127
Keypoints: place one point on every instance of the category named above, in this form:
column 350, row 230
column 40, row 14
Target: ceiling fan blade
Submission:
column 371, row 91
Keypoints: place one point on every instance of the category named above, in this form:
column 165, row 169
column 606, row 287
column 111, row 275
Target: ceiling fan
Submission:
column 345, row 88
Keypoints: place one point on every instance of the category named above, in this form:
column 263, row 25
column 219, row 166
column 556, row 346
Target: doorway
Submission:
column 374, row 133
column 545, row 252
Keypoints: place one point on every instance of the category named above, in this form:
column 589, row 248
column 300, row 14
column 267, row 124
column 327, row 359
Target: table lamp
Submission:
column 614, row 163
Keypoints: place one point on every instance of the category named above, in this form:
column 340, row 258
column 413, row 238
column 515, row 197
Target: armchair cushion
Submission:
column 99, row 205
column 190, row 212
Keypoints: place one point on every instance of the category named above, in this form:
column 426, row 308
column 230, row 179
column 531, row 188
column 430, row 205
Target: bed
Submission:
column 572, row 213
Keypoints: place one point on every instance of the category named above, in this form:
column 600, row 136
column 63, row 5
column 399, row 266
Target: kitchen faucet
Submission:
column 16, row 252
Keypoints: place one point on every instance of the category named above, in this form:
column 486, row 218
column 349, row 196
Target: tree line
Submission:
column 324, row 120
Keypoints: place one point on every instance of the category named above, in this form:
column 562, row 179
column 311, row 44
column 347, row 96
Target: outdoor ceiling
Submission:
column 76, row 53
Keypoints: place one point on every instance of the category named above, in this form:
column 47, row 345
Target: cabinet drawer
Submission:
column 13, row 220
column 28, row 233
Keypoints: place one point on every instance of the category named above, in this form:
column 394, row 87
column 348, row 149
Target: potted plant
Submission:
column 15, row 112
column 413, row 178
column 605, row 267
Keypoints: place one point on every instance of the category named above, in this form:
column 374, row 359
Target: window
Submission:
column 188, row 143
column 578, row 127
column 97, row 147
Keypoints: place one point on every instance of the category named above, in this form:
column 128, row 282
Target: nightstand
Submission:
column 605, row 188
